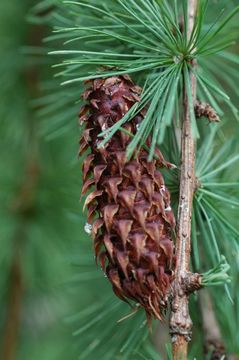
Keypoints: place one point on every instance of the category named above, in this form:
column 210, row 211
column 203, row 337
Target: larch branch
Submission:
column 180, row 322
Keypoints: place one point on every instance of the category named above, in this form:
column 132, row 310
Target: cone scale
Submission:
column 128, row 204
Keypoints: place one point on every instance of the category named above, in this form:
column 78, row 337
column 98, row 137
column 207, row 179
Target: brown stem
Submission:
column 180, row 322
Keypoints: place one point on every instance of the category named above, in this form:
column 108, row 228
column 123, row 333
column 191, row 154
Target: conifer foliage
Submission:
column 183, row 55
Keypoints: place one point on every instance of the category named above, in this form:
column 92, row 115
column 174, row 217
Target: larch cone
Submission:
column 129, row 207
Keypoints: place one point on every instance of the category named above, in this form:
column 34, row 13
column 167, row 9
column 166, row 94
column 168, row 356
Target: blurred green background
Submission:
column 40, row 221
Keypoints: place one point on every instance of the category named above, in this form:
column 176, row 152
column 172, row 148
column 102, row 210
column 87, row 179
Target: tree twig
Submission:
column 180, row 322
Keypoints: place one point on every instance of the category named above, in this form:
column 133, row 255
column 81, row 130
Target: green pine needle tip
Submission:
column 217, row 275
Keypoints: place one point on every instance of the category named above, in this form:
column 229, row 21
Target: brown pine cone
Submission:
column 129, row 208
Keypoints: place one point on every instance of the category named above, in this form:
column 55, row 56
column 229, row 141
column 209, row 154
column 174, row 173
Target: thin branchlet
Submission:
column 180, row 322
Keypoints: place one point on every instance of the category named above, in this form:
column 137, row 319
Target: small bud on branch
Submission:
column 205, row 110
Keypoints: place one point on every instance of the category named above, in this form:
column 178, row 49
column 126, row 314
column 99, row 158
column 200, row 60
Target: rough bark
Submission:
column 180, row 322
